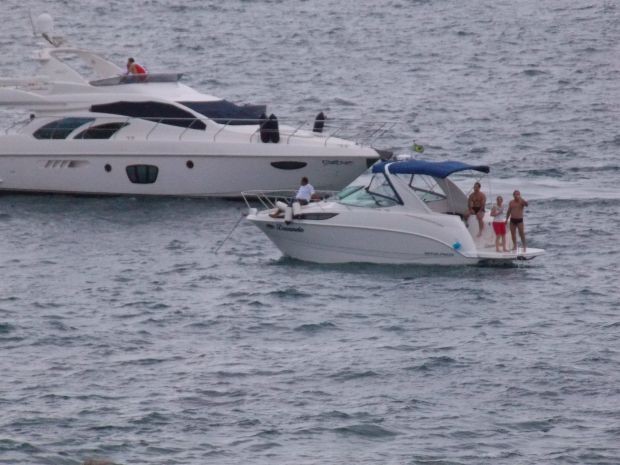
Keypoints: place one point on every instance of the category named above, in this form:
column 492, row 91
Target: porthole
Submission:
column 108, row 168
column 189, row 164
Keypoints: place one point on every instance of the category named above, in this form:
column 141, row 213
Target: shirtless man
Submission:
column 515, row 214
column 475, row 206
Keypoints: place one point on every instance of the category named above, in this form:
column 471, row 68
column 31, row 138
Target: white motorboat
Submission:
column 111, row 133
column 402, row 212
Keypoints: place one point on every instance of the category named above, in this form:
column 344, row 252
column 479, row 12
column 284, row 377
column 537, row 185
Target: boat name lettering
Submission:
column 281, row 227
column 439, row 254
column 337, row 162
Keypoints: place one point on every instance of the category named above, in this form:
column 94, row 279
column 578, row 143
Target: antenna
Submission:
column 34, row 31
column 44, row 25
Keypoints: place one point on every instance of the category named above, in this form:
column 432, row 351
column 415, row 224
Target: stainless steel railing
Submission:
column 268, row 199
column 289, row 130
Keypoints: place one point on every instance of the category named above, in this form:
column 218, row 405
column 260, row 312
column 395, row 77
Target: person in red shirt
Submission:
column 135, row 68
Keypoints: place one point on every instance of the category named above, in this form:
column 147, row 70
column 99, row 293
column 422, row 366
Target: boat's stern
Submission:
column 485, row 244
column 489, row 256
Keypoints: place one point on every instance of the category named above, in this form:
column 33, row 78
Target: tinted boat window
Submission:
column 225, row 112
column 142, row 174
column 61, row 128
column 100, row 131
column 289, row 165
column 317, row 216
column 153, row 111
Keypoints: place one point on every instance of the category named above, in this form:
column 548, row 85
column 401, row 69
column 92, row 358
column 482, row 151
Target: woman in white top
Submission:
column 499, row 224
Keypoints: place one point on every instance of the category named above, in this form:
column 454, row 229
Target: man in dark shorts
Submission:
column 475, row 206
column 515, row 214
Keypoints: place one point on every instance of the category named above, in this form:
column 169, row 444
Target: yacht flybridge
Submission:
column 403, row 212
column 112, row 133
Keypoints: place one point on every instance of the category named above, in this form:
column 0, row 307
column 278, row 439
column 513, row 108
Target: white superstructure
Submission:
column 110, row 133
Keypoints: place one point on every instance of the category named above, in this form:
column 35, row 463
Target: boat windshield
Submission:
column 377, row 194
column 426, row 187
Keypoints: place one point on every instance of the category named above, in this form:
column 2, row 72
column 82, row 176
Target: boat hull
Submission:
column 178, row 174
column 344, row 244
column 397, row 240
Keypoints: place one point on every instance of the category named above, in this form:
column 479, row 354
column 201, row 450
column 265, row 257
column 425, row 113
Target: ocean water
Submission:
column 131, row 329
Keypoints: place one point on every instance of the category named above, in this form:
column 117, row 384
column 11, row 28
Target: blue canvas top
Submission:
column 441, row 169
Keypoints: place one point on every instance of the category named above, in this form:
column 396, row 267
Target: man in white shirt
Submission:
column 305, row 192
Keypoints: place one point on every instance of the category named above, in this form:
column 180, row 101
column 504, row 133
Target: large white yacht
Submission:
column 95, row 130
column 402, row 212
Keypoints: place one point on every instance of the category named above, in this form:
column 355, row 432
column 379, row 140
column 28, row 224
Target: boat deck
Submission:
column 489, row 254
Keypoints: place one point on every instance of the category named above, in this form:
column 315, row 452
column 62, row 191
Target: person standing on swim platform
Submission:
column 499, row 225
column 515, row 215
column 475, row 206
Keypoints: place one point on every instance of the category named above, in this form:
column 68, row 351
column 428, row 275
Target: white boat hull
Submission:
column 359, row 248
column 386, row 239
column 179, row 174
column 320, row 242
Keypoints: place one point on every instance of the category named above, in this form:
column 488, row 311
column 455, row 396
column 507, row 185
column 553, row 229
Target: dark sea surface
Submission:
column 124, row 335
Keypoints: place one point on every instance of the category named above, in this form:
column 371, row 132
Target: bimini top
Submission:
column 440, row 169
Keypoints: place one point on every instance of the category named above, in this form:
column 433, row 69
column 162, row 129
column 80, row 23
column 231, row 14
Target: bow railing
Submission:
column 268, row 199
